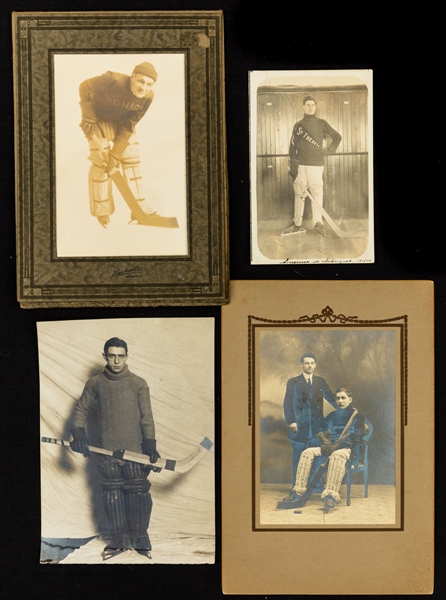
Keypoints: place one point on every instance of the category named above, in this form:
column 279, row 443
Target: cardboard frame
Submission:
column 387, row 403
column 350, row 560
column 198, row 275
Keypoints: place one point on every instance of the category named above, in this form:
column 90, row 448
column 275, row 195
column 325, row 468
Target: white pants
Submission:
column 335, row 475
column 308, row 178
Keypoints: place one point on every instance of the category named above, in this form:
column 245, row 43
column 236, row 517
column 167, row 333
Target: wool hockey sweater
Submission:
column 123, row 408
column 307, row 138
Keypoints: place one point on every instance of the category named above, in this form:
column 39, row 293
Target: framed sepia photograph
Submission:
column 328, row 437
column 121, row 194
column 311, row 165
column 127, row 441
column 328, row 410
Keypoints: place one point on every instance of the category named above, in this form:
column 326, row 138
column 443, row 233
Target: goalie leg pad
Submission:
column 336, row 472
column 114, row 504
column 99, row 184
column 138, row 504
column 300, row 192
column 316, row 187
column 108, row 130
column 131, row 167
column 304, row 469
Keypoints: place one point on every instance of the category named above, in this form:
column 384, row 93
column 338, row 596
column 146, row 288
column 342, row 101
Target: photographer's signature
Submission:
column 132, row 272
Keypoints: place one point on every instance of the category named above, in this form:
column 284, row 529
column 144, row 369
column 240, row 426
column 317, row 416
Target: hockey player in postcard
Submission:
column 307, row 151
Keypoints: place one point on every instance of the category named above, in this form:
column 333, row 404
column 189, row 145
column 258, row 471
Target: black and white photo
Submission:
column 127, row 435
column 311, row 167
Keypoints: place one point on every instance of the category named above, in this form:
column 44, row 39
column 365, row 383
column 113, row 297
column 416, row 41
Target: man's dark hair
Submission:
column 308, row 355
column 117, row 343
column 345, row 390
column 307, row 98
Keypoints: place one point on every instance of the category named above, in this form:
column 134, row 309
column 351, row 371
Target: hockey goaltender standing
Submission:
column 307, row 152
column 112, row 104
column 125, row 421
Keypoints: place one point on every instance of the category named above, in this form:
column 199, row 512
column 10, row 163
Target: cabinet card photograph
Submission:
column 327, row 408
column 120, row 149
column 127, row 434
column 328, row 437
column 95, row 90
column 311, row 151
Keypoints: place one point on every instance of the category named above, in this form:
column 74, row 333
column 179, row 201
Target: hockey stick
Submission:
column 123, row 187
column 286, row 504
column 338, row 231
column 180, row 466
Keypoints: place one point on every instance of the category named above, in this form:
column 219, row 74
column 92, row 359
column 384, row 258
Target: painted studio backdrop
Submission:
column 176, row 358
column 364, row 361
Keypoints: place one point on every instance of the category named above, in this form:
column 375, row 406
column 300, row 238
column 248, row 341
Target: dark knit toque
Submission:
column 308, row 98
column 148, row 69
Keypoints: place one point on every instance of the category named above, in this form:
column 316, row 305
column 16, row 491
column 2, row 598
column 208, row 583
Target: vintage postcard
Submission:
column 323, row 413
column 120, row 159
column 127, row 429
column 311, row 152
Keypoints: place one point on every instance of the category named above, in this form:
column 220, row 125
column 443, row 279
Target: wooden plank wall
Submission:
column 346, row 172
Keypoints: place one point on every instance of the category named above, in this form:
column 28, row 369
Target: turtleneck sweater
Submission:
column 123, row 408
column 307, row 138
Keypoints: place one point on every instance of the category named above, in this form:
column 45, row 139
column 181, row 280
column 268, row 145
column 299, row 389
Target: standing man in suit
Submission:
column 303, row 408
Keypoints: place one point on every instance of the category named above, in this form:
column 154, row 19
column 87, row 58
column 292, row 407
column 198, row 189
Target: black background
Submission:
column 403, row 51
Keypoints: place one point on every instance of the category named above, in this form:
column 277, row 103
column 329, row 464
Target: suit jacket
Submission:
column 303, row 404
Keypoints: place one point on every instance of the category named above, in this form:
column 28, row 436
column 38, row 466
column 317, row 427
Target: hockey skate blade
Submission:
column 145, row 553
column 108, row 554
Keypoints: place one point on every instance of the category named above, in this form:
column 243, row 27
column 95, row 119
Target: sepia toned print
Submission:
column 105, row 131
column 327, row 398
column 370, row 342
column 311, row 167
column 121, row 170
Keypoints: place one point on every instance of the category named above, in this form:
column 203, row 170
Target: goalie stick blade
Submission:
column 142, row 217
column 158, row 221
column 355, row 233
column 190, row 461
column 123, row 187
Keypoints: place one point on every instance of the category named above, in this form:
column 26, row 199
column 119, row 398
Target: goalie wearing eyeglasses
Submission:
column 122, row 400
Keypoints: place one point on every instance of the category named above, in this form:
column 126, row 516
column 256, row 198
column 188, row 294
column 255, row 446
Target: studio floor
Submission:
column 311, row 245
column 166, row 549
column 378, row 510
